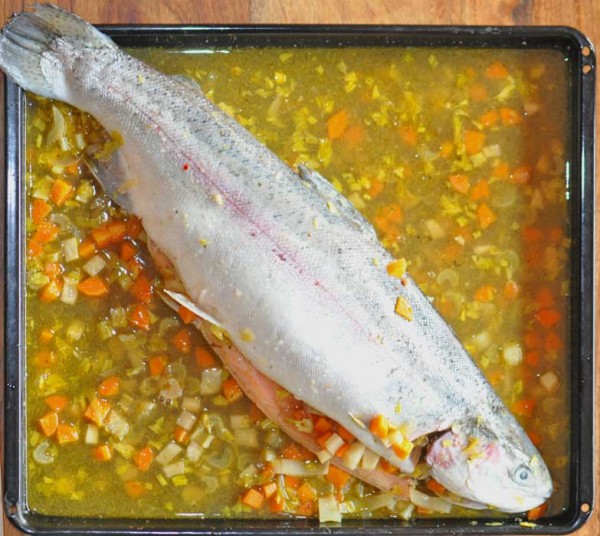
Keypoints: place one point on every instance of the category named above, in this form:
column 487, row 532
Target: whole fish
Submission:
column 286, row 265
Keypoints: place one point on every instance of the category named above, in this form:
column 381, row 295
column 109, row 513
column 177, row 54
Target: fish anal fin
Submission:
column 184, row 301
column 114, row 175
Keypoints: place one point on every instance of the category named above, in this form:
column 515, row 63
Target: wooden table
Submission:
column 582, row 14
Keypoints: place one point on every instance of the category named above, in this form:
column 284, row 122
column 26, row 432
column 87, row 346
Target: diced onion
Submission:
column 353, row 455
column 246, row 437
column 174, row 469
column 240, row 421
column 75, row 330
column 168, row 453
column 116, row 425
column 299, row 468
column 333, row 443
column 211, row 382
column 59, row 127
column 70, row 249
column 512, row 354
column 94, row 266
column 324, row 456
column 191, row 404
column 329, row 510
column 44, row 453
column 380, row 500
column 434, row 229
column 435, row 504
column 369, row 460
column 91, row 435
column 406, row 510
column 170, row 393
column 549, row 381
column 69, row 291
column 186, row 420
column 193, row 452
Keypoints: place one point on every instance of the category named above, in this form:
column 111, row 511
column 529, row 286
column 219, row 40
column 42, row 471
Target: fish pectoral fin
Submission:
column 331, row 196
column 187, row 82
column 114, row 175
column 184, row 301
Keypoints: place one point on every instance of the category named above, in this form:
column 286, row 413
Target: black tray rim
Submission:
column 580, row 52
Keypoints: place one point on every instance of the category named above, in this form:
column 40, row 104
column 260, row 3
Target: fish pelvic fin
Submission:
column 29, row 44
column 114, row 175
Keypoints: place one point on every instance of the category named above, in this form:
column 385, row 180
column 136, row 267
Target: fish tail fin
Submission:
column 31, row 44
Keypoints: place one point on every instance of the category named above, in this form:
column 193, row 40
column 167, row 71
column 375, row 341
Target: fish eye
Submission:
column 522, row 474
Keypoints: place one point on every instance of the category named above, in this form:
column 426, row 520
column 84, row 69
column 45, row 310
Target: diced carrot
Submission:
column 548, row 317
column 44, row 358
column 127, row 251
column 521, row 174
column 556, row 235
column 186, row 315
column 157, row 364
column 532, row 234
column 143, row 458
column 87, row 248
column 342, row 450
column 269, row 489
column 536, row 513
column 61, row 191
column 501, row 170
column 109, row 386
column 49, row 423
column 53, row 270
column 102, row 453
column 379, row 426
column 536, row 439
column 322, row 425
column 337, row 477
column 306, row 509
column 532, row 340
column 474, row 141
column 486, row 216
column 511, row 290
column 392, row 212
column 101, row 236
column 423, row 511
column 135, row 268
column 72, row 168
column 402, row 450
column 267, row 473
column 306, row 492
column 478, row 92
column 354, row 135
column 446, row 149
column 66, row 433
column 545, row 298
column 134, row 489
column 254, row 499
column 532, row 358
column 46, row 335
column 39, row 210
column 480, row 190
column 97, row 411
column 34, row 249
column 231, row 390
column 460, row 183
column 142, row 289
column 409, row 135
column 496, row 71
column 292, row 452
column 344, row 434
column 337, row 124
column 277, row 503
column 485, row 293
column 435, row 486
column 321, row 440
column 182, row 341
column 45, row 232
column 94, row 287
column 388, row 467
column 50, row 292
column 489, row 119
column 204, row 359
column 510, row 116
column 57, row 402
column 139, row 317
column 552, row 342
column 495, row 376
column 291, row 481
column 376, row 188
column 117, row 229
column 134, row 227
column 524, row 407
column 181, row 435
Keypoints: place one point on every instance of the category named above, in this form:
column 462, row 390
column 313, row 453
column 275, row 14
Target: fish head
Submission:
column 500, row 472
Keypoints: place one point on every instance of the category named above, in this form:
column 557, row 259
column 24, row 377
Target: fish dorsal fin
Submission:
column 334, row 199
column 114, row 175
column 184, row 301
column 190, row 83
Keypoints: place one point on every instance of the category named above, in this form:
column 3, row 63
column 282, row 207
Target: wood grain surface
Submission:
column 581, row 14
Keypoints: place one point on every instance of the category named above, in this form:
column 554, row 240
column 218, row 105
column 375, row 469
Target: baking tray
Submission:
column 579, row 54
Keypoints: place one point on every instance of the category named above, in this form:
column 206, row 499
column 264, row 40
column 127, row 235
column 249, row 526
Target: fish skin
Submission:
column 307, row 307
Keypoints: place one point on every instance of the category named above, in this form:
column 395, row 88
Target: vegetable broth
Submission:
column 457, row 157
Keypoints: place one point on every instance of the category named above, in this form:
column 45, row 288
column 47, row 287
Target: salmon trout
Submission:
column 286, row 266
